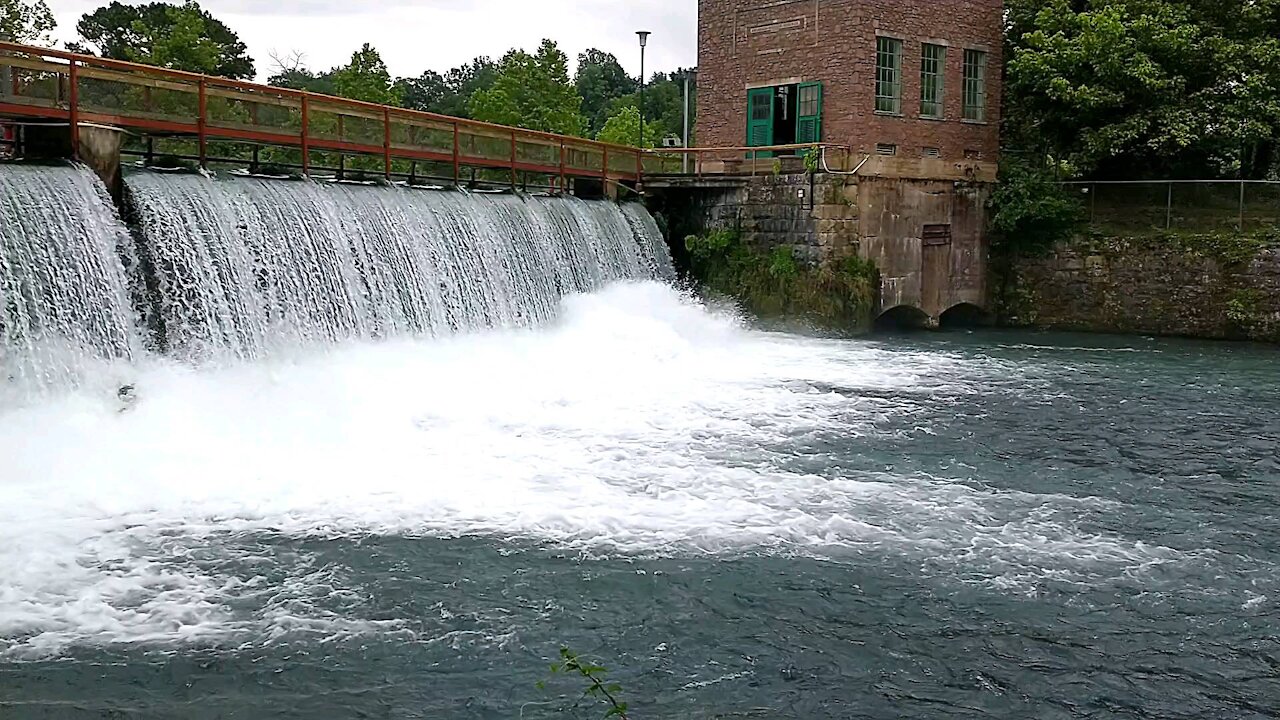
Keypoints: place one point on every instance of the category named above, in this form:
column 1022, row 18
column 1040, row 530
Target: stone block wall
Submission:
column 816, row 216
column 824, row 218
column 1205, row 287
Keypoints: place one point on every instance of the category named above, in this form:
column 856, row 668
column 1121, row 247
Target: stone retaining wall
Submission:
column 1206, row 286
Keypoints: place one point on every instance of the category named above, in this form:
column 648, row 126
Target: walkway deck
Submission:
column 45, row 85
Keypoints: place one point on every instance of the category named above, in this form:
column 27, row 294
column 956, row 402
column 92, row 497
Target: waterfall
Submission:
column 237, row 268
column 64, row 295
column 248, row 266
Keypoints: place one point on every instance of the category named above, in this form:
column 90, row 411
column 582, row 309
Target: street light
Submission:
column 644, row 42
column 689, row 77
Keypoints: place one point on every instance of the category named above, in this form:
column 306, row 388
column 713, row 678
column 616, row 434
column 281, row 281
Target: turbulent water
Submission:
column 738, row 524
column 64, row 297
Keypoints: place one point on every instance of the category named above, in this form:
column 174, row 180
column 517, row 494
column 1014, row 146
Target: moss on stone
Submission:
column 836, row 296
column 1228, row 248
column 1244, row 306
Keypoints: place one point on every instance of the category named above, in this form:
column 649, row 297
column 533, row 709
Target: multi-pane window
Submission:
column 975, row 85
column 933, row 61
column 810, row 96
column 809, row 122
column 762, row 106
column 888, row 75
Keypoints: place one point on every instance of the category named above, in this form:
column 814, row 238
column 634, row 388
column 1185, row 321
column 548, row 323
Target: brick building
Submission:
column 912, row 87
column 913, row 79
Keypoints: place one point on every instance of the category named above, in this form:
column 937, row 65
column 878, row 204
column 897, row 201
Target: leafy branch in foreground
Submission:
column 598, row 688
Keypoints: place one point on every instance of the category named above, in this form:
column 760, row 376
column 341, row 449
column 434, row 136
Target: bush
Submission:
column 837, row 296
column 1030, row 210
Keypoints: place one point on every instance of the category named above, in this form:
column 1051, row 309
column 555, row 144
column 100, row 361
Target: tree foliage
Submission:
column 600, row 80
column 1169, row 87
column 366, row 78
column 180, row 37
column 533, row 92
column 623, row 128
column 1030, row 209
column 292, row 73
column 26, row 21
column 450, row 93
column 663, row 103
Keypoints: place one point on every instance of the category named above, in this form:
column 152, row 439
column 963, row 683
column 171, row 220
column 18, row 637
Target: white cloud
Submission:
column 414, row 36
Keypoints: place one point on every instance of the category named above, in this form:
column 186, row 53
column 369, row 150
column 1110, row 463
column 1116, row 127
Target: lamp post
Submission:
column 689, row 76
column 644, row 42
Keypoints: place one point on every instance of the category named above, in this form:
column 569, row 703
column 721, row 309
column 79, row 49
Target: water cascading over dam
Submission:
column 64, row 290
column 247, row 266
column 224, row 269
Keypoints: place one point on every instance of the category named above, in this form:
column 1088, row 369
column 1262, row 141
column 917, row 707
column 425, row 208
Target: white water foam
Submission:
column 639, row 424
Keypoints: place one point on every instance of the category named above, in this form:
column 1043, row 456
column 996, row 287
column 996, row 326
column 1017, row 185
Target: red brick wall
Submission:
column 744, row 43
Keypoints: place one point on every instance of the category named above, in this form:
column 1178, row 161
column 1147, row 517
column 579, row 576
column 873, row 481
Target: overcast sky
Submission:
column 417, row 35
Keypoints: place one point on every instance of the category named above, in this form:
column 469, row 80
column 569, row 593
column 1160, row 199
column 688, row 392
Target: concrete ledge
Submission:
column 693, row 182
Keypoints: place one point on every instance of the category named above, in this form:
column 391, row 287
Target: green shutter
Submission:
column 809, row 118
column 760, row 117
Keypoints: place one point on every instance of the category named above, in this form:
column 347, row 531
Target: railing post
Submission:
column 306, row 135
column 1241, row 204
column 201, row 123
column 74, row 107
column 8, row 77
column 386, row 140
column 457, row 156
column 563, row 186
column 604, row 171
column 513, row 160
column 342, row 136
column 1168, row 210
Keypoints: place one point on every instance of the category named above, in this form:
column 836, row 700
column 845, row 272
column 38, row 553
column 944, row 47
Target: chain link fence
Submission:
column 1248, row 206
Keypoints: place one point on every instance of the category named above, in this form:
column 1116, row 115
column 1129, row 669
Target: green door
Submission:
column 760, row 117
column 809, row 116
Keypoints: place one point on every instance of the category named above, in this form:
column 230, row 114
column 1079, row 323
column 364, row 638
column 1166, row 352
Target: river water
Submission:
column 738, row 524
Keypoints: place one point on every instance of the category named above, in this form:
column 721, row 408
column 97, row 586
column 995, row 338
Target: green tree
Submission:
column 600, row 80
column 366, row 78
column 1030, row 209
column 26, row 21
column 532, row 91
column 663, row 103
column 181, row 37
column 300, row 78
column 623, row 128
column 1161, row 87
column 451, row 93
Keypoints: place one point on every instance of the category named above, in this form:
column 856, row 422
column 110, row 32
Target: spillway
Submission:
column 246, row 267
column 233, row 268
column 64, row 290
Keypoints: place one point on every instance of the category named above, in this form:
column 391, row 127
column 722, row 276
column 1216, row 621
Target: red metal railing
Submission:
column 747, row 160
column 55, row 85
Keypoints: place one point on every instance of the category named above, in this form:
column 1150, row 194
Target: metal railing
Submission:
column 52, row 85
column 1190, row 205
column 744, row 160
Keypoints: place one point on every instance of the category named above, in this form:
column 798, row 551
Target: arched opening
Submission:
column 902, row 318
column 964, row 316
